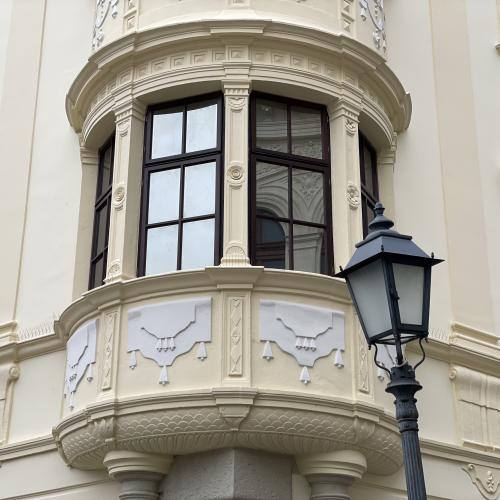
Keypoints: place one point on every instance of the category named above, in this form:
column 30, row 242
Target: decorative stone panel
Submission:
column 81, row 355
column 163, row 332
column 305, row 332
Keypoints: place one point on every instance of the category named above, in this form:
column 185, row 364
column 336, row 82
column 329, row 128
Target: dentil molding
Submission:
column 81, row 355
column 305, row 332
column 163, row 332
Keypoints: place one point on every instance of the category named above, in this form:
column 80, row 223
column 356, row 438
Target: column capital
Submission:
column 129, row 108
column 239, row 88
column 345, row 108
column 331, row 474
column 121, row 463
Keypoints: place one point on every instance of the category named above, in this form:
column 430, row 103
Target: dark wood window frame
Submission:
column 369, row 194
column 102, row 202
column 290, row 160
column 182, row 161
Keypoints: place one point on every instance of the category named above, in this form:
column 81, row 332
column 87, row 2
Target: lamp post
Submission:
column 389, row 280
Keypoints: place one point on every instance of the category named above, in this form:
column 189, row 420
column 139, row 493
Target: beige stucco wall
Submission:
column 446, row 187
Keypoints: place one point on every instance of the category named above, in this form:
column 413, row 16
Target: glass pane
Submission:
column 199, row 190
column 102, row 219
column 98, row 270
column 161, row 254
column 309, row 249
column 409, row 282
column 272, row 189
column 167, row 133
column 306, row 132
column 164, row 196
column 368, row 171
column 201, row 130
column 307, row 196
column 198, row 244
column 272, row 244
column 368, row 286
column 107, row 169
column 272, row 125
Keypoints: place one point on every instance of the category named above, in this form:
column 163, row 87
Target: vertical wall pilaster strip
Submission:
column 126, row 194
column 235, row 246
column 346, row 183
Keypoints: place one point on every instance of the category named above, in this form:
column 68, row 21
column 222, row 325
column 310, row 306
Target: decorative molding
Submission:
column 477, row 397
column 486, row 480
column 81, row 355
column 363, row 360
column 236, row 336
column 13, row 451
column 110, row 331
column 305, row 332
column 162, row 332
column 114, row 270
column 119, row 194
column 351, row 126
column 348, row 16
column 287, row 423
column 375, row 10
column 9, row 373
column 35, row 332
column 103, row 8
column 235, row 255
column 157, row 64
column 352, row 195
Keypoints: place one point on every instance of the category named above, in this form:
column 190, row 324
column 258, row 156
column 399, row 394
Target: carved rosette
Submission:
column 119, row 196
column 163, row 332
column 305, row 332
column 235, row 174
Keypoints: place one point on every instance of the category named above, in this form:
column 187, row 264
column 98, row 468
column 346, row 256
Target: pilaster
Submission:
column 346, row 182
column 235, row 247
column 331, row 474
column 139, row 474
column 126, row 193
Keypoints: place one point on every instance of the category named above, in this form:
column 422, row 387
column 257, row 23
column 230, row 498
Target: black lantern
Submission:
column 389, row 279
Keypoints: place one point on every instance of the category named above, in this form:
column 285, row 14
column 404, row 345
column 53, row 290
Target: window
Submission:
column 102, row 209
column 290, row 185
column 180, row 220
column 369, row 181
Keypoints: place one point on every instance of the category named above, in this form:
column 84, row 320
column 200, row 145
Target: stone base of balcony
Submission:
column 185, row 423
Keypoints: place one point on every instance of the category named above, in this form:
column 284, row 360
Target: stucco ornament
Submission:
column 375, row 10
column 162, row 332
column 81, row 355
column 352, row 194
column 486, row 480
column 305, row 332
column 102, row 9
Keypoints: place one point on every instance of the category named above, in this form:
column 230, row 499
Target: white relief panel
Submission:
column 81, row 355
column 162, row 332
column 305, row 332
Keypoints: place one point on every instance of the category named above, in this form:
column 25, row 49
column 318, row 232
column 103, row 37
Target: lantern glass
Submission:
column 368, row 286
column 409, row 281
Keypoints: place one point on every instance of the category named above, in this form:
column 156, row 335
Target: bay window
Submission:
column 369, row 181
column 290, row 225
column 180, row 217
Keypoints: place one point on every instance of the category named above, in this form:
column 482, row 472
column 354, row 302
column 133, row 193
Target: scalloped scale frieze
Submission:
column 163, row 332
column 307, row 333
column 81, row 355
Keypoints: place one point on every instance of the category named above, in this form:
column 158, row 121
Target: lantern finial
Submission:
column 381, row 222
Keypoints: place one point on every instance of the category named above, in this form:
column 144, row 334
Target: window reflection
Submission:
column 308, row 249
column 272, row 125
column 167, row 134
column 306, row 132
column 162, row 249
column 307, row 196
column 164, row 195
column 272, row 189
column 201, row 132
column 272, row 244
column 199, row 190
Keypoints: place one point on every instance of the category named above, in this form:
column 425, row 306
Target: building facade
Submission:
column 180, row 181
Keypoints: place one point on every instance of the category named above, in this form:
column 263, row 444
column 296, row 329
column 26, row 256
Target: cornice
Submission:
column 132, row 49
column 209, row 280
column 282, row 422
column 29, row 447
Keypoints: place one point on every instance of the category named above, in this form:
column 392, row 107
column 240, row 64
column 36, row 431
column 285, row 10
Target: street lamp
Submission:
column 389, row 279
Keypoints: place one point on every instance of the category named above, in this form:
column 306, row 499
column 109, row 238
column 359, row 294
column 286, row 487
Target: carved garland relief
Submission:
column 374, row 9
column 102, row 9
column 486, row 480
column 305, row 332
column 163, row 332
